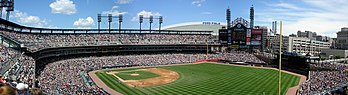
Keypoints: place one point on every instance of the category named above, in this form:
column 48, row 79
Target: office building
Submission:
column 342, row 39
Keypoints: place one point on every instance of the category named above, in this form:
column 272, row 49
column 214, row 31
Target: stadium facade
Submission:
column 242, row 34
column 198, row 26
column 58, row 60
column 301, row 45
column 342, row 39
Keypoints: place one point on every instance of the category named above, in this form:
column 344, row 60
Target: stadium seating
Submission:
column 326, row 81
column 36, row 42
column 16, row 67
column 7, row 58
column 61, row 77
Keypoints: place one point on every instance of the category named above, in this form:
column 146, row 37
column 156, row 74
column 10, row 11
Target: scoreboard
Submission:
column 240, row 36
column 223, row 36
column 236, row 36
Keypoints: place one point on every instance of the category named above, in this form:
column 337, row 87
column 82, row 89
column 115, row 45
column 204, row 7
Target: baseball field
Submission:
column 197, row 79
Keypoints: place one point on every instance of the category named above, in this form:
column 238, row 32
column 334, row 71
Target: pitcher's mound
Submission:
column 166, row 76
column 134, row 74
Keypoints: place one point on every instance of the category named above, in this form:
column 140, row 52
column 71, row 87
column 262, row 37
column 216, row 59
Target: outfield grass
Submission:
column 216, row 79
column 142, row 75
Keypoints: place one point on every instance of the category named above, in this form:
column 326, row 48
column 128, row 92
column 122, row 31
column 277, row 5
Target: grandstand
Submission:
column 57, row 60
column 43, row 46
column 133, row 49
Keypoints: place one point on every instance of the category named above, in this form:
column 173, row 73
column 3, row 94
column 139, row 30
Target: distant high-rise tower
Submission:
column 274, row 27
column 252, row 16
column 228, row 18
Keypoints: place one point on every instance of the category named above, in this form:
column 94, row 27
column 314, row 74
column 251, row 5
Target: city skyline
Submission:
column 324, row 17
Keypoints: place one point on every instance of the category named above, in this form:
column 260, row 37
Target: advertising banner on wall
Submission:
column 256, row 37
column 257, row 31
column 248, row 41
column 234, row 46
column 243, row 46
column 248, row 33
column 255, row 42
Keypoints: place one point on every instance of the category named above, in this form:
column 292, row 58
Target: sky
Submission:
column 326, row 17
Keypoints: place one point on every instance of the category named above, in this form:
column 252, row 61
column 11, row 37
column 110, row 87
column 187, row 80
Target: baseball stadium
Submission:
column 206, row 58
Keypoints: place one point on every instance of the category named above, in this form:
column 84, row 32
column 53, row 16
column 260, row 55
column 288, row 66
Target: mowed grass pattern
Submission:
column 142, row 75
column 212, row 79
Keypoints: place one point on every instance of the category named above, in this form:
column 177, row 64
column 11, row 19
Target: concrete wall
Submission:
column 335, row 52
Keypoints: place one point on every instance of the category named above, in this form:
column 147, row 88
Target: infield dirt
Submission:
column 166, row 76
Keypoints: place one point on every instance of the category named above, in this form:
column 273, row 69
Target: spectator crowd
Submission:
column 36, row 42
column 240, row 56
column 69, row 76
column 17, row 70
column 7, row 58
column 325, row 81
column 56, row 77
column 63, row 77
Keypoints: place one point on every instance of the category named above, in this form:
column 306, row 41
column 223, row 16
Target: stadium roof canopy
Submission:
column 198, row 26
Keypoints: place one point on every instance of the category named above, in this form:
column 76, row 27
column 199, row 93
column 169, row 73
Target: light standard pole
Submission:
column 141, row 17
column 280, row 59
column 151, row 21
column 160, row 23
column 110, row 20
column 99, row 20
column 207, row 49
column 120, row 19
column 110, row 17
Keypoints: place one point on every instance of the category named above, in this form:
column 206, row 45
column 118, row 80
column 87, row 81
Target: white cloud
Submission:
column 29, row 20
column 198, row 3
column 123, row 1
column 114, row 11
column 63, row 7
column 321, row 16
column 286, row 5
column 206, row 13
column 84, row 23
column 145, row 14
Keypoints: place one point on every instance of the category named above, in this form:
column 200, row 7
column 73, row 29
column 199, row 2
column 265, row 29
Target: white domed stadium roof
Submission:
column 197, row 26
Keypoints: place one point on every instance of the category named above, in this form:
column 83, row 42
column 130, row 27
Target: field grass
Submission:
column 142, row 75
column 216, row 79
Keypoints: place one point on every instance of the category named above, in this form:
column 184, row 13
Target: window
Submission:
column 341, row 41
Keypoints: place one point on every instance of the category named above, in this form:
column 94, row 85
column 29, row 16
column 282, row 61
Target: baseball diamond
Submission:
column 207, row 78
column 133, row 74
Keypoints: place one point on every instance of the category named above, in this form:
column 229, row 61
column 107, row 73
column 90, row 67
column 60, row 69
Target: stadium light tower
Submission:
column 160, row 18
column 252, row 16
column 0, row 11
column 120, row 19
column 99, row 20
column 151, row 21
column 228, row 17
column 141, row 17
column 9, row 5
column 9, row 9
column 110, row 20
column 160, row 23
column 110, row 17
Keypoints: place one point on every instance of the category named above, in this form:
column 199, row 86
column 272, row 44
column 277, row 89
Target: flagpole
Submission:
column 280, row 58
